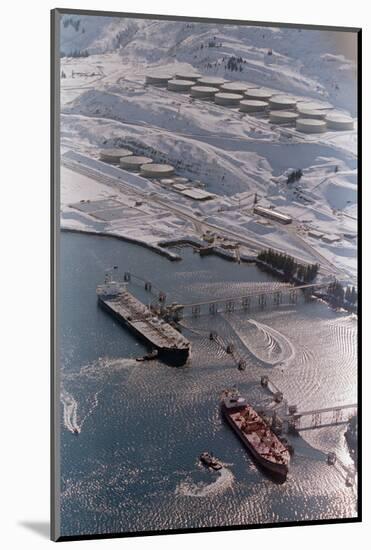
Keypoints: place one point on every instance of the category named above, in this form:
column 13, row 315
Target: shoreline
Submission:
column 169, row 255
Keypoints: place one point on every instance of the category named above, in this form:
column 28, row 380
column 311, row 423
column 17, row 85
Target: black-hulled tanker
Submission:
column 172, row 347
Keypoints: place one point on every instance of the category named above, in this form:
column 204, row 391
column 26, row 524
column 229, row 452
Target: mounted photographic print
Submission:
column 205, row 190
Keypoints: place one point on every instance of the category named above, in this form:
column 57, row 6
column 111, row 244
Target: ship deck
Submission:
column 159, row 333
column 259, row 435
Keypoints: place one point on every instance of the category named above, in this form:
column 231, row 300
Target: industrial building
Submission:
column 204, row 92
column 282, row 102
column 234, row 87
column 158, row 79
column 315, row 234
column 337, row 121
column 272, row 214
column 134, row 163
column 176, row 85
column 282, row 117
column 310, row 125
column 227, row 99
column 258, row 93
column 197, row 194
column 331, row 239
column 114, row 155
column 152, row 170
column 188, row 75
column 213, row 81
column 253, row 105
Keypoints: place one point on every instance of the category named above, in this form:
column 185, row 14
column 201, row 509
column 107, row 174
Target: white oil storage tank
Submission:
column 234, row 87
column 282, row 117
column 310, row 125
column 282, row 102
column 337, row 121
column 153, row 170
column 158, row 79
column 213, row 81
column 258, row 93
column 177, row 85
column 311, row 113
column 134, row 162
column 253, row 105
column 204, row 92
column 227, row 99
column 188, row 75
column 114, row 155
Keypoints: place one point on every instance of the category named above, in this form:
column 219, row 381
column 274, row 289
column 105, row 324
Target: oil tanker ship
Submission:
column 171, row 346
column 264, row 446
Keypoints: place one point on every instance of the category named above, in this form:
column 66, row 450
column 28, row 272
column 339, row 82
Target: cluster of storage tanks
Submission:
column 142, row 164
column 281, row 109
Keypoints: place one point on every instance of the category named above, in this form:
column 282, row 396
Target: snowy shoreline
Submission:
column 170, row 255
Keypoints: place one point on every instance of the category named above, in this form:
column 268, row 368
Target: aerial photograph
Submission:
column 207, row 276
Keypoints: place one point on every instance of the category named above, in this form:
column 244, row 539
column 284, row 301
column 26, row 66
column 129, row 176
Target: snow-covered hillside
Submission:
column 308, row 62
column 105, row 102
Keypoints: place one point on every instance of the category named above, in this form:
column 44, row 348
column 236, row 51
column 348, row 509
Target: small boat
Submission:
column 76, row 431
column 211, row 462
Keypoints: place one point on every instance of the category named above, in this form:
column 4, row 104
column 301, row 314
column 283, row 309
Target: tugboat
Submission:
column 210, row 461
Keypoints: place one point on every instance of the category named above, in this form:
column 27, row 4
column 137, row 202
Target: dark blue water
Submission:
column 134, row 465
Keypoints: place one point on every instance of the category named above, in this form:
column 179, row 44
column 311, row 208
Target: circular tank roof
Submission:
column 236, row 87
column 114, row 154
column 304, row 112
column 161, row 75
column 258, row 93
column 227, row 99
column 158, row 78
column 310, row 125
column 211, row 81
column 283, row 116
column 310, row 105
column 203, row 91
column 249, row 105
column 157, row 170
column 177, row 84
column 134, row 162
column 185, row 75
column 281, row 102
column 337, row 121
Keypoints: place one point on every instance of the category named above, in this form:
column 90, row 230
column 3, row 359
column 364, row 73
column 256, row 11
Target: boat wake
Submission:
column 223, row 482
column 93, row 377
column 274, row 348
column 70, row 412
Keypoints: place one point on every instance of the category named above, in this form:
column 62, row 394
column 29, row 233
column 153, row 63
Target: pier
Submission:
column 321, row 418
column 271, row 296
